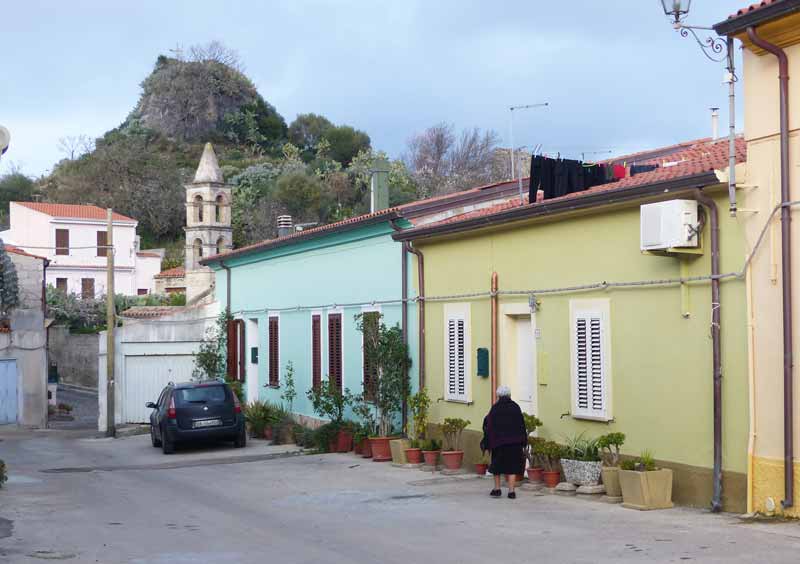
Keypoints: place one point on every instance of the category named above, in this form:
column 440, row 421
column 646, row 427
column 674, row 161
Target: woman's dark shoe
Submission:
column 512, row 495
column 496, row 493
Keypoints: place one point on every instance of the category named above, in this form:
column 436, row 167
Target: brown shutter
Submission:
column 335, row 349
column 370, row 377
column 316, row 352
column 274, row 349
column 102, row 241
column 62, row 241
column 87, row 288
column 61, row 284
column 232, row 351
column 242, row 354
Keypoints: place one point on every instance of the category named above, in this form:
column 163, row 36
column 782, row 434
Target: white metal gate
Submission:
column 146, row 376
column 8, row 391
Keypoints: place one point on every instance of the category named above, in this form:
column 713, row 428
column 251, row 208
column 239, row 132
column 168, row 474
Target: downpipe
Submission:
column 711, row 206
column 421, row 307
column 786, row 268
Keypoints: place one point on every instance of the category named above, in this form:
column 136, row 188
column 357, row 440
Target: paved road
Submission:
column 113, row 501
column 84, row 408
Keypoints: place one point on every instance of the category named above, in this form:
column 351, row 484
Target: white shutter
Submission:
column 590, row 364
column 456, row 358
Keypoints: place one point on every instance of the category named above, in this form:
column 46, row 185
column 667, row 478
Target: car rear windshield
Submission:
column 202, row 394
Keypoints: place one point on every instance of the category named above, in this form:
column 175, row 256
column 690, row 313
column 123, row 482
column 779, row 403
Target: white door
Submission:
column 8, row 391
column 146, row 376
column 524, row 389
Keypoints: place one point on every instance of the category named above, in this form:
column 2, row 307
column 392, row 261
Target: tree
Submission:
column 216, row 52
column 300, row 194
column 14, row 187
column 73, row 146
column 346, row 142
column 443, row 163
column 307, row 130
column 9, row 287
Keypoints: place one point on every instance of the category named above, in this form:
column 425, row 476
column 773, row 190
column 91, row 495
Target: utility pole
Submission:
column 511, row 111
column 111, row 424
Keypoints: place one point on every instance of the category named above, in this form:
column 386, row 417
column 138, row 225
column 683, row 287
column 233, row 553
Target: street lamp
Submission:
column 716, row 49
column 511, row 110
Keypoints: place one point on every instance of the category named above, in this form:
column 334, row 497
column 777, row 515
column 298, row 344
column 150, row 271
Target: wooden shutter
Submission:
column 235, row 365
column 242, row 354
column 87, row 288
column 590, row 365
column 62, row 241
column 316, row 352
column 371, row 320
column 61, row 284
column 102, row 241
column 335, row 349
column 456, row 358
column 274, row 352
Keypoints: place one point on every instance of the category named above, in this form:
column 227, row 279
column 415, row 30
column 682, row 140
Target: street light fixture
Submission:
column 677, row 9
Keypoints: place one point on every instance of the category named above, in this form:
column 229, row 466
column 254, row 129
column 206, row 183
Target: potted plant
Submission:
column 419, row 404
column 386, row 352
column 535, row 466
column 645, row 486
column 452, row 428
column 364, row 410
column 330, row 402
column 483, row 464
column 609, row 445
column 430, row 452
column 581, row 461
column 259, row 417
column 549, row 453
column 531, row 424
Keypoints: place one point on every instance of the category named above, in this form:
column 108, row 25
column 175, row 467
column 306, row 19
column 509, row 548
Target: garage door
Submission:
column 8, row 391
column 146, row 376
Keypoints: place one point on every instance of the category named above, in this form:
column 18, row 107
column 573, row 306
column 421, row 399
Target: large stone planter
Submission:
column 611, row 481
column 581, row 473
column 646, row 490
column 398, row 448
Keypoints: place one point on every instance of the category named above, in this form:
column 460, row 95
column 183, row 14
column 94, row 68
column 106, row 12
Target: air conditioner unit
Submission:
column 670, row 224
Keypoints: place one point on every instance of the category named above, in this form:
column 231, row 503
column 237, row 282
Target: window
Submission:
column 316, row 351
column 102, row 241
column 274, row 351
column 371, row 322
column 590, row 359
column 220, row 245
column 62, row 241
column 61, row 284
column 142, row 292
column 202, row 395
column 335, row 349
column 87, row 288
column 198, row 204
column 197, row 251
column 220, row 201
column 457, row 359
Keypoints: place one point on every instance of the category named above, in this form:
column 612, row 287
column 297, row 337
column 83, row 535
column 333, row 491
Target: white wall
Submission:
column 146, row 269
column 124, row 280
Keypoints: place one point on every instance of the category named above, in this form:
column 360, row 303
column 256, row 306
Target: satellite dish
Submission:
column 5, row 139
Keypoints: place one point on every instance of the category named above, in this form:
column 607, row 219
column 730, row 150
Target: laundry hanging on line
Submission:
column 559, row 177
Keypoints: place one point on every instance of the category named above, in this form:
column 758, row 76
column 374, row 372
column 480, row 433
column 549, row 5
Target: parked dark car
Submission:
column 191, row 411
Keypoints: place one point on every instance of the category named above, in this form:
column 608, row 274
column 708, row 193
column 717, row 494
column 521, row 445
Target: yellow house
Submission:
column 770, row 34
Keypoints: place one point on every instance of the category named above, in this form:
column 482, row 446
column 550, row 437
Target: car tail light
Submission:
column 237, row 407
column 171, row 409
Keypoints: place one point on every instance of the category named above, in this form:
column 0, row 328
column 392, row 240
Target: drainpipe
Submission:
column 786, row 267
column 493, row 368
column 403, row 310
column 421, row 307
column 711, row 206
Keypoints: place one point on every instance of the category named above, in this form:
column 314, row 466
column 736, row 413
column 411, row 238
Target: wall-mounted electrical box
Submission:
column 253, row 355
column 668, row 225
column 483, row 362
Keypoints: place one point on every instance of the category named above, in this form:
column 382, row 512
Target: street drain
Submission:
column 51, row 555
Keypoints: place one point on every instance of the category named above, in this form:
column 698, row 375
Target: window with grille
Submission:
column 590, row 363
column 102, row 241
column 61, row 284
column 316, row 351
column 62, row 241
column 274, row 351
column 335, row 349
column 457, row 365
column 371, row 324
column 87, row 288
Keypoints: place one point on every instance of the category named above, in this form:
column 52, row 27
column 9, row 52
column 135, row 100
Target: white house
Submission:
column 71, row 237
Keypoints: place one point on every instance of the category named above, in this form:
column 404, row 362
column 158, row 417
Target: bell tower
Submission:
column 208, row 221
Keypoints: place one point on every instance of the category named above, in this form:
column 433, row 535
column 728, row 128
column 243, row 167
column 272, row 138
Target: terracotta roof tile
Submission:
column 176, row 272
column 145, row 254
column 753, row 8
column 18, row 251
column 72, row 211
column 149, row 312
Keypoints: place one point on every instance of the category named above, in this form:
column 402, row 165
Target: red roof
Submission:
column 145, row 254
column 753, row 8
column 695, row 158
column 18, row 251
column 72, row 211
column 147, row 312
column 177, row 272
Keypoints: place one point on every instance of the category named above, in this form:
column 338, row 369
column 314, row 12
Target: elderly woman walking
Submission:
column 504, row 434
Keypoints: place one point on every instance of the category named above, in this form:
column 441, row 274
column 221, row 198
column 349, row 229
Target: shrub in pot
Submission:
column 387, row 353
column 535, row 469
column 643, row 485
column 609, row 445
column 430, row 452
column 549, row 454
column 581, row 461
column 259, row 416
column 452, row 455
column 535, row 465
column 3, row 474
column 329, row 402
column 418, row 404
column 483, row 464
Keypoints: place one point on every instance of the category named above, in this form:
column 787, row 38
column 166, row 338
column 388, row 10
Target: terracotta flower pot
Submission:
column 344, row 441
column 480, row 468
column 414, row 455
column 452, row 459
column 431, row 457
column 333, row 444
column 381, row 451
column 357, row 447
column 551, row 478
column 366, row 448
column 611, row 481
column 535, row 474
column 268, row 433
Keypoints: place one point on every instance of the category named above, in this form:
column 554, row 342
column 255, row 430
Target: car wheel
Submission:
column 153, row 439
column 241, row 439
column 167, row 446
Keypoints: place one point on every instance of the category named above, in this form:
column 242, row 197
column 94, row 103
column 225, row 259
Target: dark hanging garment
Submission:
column 638, row 169
column 536, row 177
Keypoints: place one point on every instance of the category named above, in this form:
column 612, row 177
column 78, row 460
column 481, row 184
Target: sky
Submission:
column 615, row 74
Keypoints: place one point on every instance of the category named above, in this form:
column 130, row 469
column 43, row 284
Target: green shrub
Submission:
column 452, row 427
column 419, row 404
column 548, row 453
column 324, row 435
column 329, row 402
column 431, row 444
column 644, row 463
column 610, row 444
column 531, row 422
column 259, row 416
column 580, row 448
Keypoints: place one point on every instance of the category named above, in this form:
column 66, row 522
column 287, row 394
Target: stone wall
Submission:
column 74, row 355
